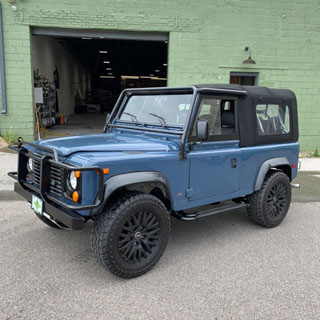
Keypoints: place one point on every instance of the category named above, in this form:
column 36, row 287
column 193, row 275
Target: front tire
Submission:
column 130, row 237
column 269, row 205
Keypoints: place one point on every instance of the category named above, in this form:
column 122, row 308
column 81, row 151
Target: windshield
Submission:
column 159, row 110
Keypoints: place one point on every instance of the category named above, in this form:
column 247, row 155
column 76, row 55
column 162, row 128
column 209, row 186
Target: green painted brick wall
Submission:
column 206, row 42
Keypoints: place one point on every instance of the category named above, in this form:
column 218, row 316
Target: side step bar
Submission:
column 209, row 212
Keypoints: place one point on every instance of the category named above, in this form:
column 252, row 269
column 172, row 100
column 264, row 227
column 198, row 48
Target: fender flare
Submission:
column 266, row 166
column 122, row 180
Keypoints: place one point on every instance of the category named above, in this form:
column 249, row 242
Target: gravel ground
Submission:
column 221, row 267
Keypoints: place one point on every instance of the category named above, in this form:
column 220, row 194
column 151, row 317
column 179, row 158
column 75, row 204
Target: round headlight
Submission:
column 30, row 165
column 73, row 182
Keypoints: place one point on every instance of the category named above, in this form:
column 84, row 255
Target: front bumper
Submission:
column 69, row 218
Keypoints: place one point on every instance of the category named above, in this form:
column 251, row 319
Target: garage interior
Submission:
column 77, row 79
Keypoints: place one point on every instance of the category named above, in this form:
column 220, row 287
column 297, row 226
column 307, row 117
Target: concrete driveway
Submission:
column 221, row 267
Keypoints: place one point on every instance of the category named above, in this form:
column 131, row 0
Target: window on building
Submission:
column 272, row 119
column 244, row 78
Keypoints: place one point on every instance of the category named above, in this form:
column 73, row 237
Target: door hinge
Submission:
column 233, row 162
column 189, row 193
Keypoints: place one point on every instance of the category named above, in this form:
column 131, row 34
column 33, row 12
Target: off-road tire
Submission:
column 48, row 222
column 109, row 227
column 269, row 205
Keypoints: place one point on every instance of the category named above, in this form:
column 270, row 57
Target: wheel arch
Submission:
column 281, row 164
column 116, row 183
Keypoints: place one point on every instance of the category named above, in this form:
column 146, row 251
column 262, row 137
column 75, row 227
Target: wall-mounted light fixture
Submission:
column 13, row 8
column 249, row 60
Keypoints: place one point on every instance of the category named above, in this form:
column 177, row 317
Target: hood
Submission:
column 110, row 142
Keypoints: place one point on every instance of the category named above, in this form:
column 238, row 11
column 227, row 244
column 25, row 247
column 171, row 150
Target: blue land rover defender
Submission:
column 186, row 152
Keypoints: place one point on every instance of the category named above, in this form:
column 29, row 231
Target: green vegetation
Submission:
column 10, row 136
column 316, row 153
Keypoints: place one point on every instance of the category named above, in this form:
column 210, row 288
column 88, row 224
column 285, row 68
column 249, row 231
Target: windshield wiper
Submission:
column 162, row 119
column 133, row 117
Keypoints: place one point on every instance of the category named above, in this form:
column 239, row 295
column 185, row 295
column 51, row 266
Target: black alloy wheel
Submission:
column 131, row 235
column 139, row 237
column 276, row 200
column 269, row 205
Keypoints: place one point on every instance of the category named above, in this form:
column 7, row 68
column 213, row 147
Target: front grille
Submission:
column 56, row 187
column 57, row 181
column 36, row 172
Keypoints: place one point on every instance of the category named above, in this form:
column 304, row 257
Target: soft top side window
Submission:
column 272, row 119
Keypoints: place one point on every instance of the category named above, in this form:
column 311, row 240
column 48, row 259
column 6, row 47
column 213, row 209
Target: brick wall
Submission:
column 207, row 40
column 19, row 118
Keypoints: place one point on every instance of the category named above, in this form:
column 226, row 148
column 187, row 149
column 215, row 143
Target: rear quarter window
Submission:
column 272, row 119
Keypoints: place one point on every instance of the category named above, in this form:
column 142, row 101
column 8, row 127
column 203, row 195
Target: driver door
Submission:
column 215, row 163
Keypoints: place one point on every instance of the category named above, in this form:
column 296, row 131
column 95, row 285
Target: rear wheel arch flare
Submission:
column 282, row 164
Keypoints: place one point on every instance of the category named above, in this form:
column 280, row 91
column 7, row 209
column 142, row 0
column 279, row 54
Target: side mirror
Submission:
column 202, row 130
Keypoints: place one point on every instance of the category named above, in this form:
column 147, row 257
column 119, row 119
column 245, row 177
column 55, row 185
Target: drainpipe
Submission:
column 3, row 83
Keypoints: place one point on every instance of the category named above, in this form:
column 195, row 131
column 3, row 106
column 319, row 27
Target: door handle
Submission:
column 233, row 163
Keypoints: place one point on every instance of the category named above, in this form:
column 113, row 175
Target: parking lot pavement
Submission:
column 310, row 164
column 220, row 267
column 8, row 162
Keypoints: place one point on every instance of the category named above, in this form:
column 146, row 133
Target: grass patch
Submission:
column 10, row 136
column 316, row 153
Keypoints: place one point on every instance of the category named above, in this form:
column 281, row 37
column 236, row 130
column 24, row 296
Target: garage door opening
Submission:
column 77, row 79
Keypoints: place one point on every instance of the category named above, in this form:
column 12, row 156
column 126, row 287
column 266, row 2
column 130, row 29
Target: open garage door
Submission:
column 78, row 74
column 101, row 34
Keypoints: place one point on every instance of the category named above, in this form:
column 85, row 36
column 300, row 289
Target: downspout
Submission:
column 3, row 83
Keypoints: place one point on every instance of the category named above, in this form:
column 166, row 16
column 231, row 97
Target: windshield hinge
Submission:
column 182, row 155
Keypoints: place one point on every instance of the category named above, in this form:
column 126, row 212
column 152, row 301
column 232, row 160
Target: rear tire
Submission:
column 269, row 205
column 130, row 237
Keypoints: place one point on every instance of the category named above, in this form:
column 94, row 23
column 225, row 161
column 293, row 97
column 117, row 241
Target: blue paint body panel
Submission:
column 196, row 173
column 211, row 172
column 206, row 176
column 117, row 141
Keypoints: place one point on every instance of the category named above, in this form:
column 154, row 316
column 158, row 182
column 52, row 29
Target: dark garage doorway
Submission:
column 78, row 75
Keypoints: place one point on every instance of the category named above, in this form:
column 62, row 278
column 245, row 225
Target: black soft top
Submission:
column 248, row 98
column 252, row 91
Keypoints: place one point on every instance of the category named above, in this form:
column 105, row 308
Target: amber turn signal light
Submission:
column 75, row 196
column 105, row 171
column 77, row 174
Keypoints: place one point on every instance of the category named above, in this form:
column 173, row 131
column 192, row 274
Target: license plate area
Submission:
column 37, row 205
